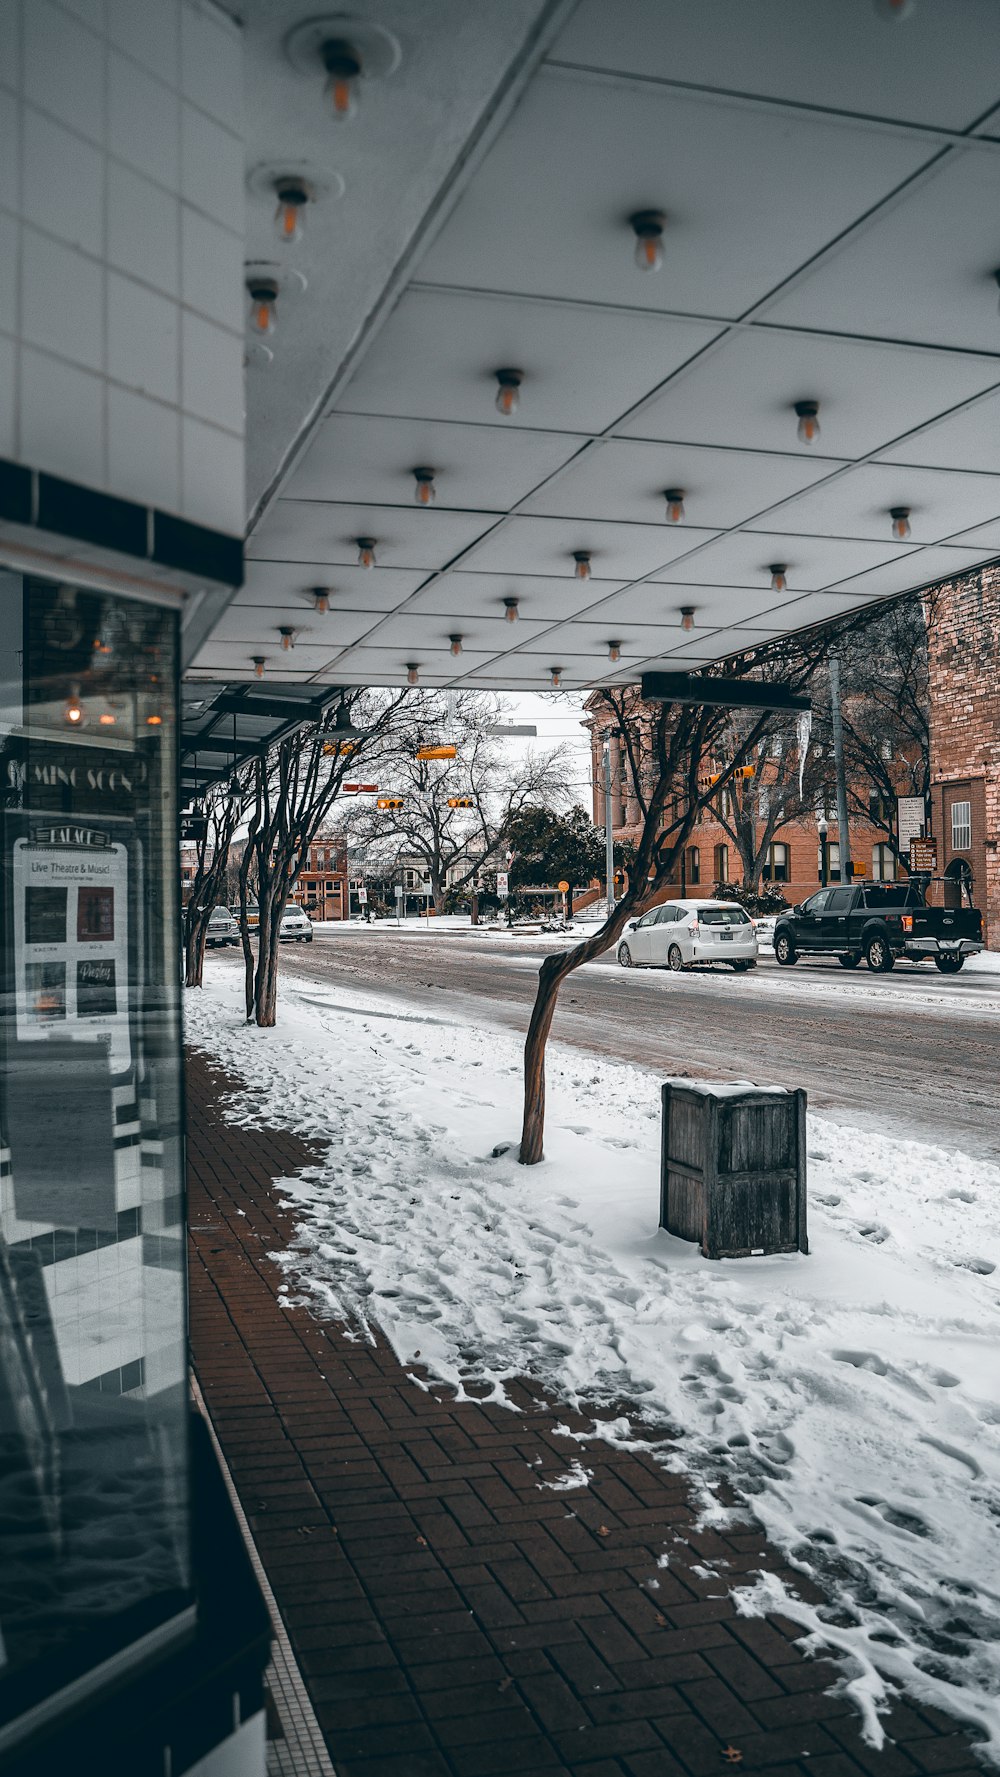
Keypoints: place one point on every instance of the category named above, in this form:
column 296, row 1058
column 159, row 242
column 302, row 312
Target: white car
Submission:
column 683, row 932
column 296, row 926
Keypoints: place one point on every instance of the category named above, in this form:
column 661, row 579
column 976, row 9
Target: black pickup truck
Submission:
column 878, row 921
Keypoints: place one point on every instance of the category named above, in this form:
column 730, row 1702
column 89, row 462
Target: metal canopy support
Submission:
column 747, row 694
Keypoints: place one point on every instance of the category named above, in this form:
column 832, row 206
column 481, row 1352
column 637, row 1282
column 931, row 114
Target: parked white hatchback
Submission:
column 679, row 933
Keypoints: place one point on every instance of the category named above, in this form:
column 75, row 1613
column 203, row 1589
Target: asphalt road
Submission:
column 911, row 1053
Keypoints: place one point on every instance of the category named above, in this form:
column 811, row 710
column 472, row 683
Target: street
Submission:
column 910, row 1054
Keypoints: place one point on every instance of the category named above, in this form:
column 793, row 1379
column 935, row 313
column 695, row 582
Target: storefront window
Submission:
column 93, row 1454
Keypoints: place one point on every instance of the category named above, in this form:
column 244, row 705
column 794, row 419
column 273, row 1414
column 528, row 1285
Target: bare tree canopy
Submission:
column 222, row 810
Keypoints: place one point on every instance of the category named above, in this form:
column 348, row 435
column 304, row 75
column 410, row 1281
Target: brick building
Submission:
column 322, row 887
column 965, row 737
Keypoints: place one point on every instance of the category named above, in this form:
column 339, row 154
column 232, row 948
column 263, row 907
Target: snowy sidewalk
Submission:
column 469, row 1590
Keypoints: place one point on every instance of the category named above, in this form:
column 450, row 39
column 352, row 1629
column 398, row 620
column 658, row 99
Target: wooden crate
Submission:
column 733, row 1169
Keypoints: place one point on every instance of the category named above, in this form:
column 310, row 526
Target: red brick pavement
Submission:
column 451, row 1617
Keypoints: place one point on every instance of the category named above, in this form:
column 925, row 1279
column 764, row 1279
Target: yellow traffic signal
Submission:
column 461, row 802
column 745, row 771
column 389, row 802
column 437, row 752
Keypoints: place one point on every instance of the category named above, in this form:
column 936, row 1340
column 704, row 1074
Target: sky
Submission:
column 557, row 716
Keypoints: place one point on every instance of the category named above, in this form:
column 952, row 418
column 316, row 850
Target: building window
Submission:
column 93, row 1378
column 776, row 864
column 961, row 826
column 694, row 864
column 722, row 863
column 883, row 864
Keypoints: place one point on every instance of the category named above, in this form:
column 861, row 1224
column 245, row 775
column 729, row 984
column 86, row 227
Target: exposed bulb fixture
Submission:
column 259, row 663
column 687, row 616
column 73, row 711
column 674, row 497
column 366, row 551
column 293, row 195
column 807, row 430
column 779, row 576
column 647, row 226
column 321, row 600
column 508, row 398
column 456, row 645
column 263, row 304
column 154, row 721
column 343, row 68
column 582, row 559
column 412, row 673
column 287, row 635
column 511, row 608
column 424, row 491
column 555, row 676
column 614, row 650
column 106, row 719
column 900, row 516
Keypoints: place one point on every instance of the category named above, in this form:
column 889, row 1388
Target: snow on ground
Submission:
column 849, row 1396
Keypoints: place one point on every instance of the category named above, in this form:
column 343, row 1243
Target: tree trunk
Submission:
column 245, row 932
column 196, row 934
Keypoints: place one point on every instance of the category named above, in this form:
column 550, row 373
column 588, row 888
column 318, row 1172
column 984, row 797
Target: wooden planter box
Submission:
column 733, row 1169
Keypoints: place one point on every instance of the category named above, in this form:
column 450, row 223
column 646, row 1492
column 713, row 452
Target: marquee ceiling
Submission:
column 830, row 182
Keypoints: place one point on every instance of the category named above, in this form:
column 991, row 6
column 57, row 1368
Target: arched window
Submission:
column 776, row 863
column 722, row 863
column 958, row 883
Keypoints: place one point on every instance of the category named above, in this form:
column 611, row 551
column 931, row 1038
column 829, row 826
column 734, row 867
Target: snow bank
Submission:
column 850, row 1397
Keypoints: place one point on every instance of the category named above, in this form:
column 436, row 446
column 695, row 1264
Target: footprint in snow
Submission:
column 827, row 1202
column 984, row 1267
column 874, row 1232
column 960, row 1196
column 862, row 1360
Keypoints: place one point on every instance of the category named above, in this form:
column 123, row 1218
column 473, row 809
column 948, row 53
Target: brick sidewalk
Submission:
column 452, row 1618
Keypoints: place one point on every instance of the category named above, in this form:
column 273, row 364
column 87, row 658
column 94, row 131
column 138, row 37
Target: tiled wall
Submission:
column 121, row 250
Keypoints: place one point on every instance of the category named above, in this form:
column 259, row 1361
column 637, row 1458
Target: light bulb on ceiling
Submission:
column 107, row 720
column 73, row 713
column 343, row 67
column 807, row 430
column 508, row 397
column 687, row 616
column 263, row 304
column 647, row 226
column 456, row 645
column 412, row 673
column 582, row 559
column 293, row 196
column 321, row 600
column 779, row 576
column 366, row 551
column 259, row 663
column 424, row 490
column 154, row 721
column 900, row 516
column 555, row 676
column 674, row 497
column 287, row 635
column 614, row 650
column 511, row 608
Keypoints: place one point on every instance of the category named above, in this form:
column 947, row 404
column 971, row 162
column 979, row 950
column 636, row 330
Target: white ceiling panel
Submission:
column 313, row 532
column 836, row 53
column 488, row 468
column 546, row 546
column 551, row 598
column 888, row 280
column 749, row 194
column 258, row 625
column 858, row 503
column 965, row 440
column 637, row 640
column 802, row 613
column 653, row 601
column 351, row 589
column 744, row 557
column 983, row 538
column 618, row 479
column 233, row 659
column 743, row 393
column 437, row 355
column 480, row 635
column 917, row 570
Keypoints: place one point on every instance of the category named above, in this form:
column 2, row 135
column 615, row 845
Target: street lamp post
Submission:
column 609, row 836
column 824, row 856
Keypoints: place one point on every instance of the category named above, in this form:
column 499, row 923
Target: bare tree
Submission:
column 222, row 809
column 778, row 787
column 453, row 812
column 294, row 789
column 667, row 747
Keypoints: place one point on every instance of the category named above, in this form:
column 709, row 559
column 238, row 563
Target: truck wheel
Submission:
column 878, row 954
column 949, row 965
column 625, row 956
column 849, row 959
column 784, row 950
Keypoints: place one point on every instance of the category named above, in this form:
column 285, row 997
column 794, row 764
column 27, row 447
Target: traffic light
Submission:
column 745, row 771
column 461, row 802
column 389, row 802
column 441, row 752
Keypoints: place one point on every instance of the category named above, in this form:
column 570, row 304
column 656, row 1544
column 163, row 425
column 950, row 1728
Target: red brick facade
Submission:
column 964, row 652
column 321, row 887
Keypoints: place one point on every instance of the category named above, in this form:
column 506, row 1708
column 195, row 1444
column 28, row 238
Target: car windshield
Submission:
column 722, row 916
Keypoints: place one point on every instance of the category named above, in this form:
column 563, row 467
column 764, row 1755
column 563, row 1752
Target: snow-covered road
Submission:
column 850, row 1396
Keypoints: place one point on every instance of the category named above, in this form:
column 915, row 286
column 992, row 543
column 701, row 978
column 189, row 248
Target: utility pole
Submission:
column 846, row 874
column 609, row 836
